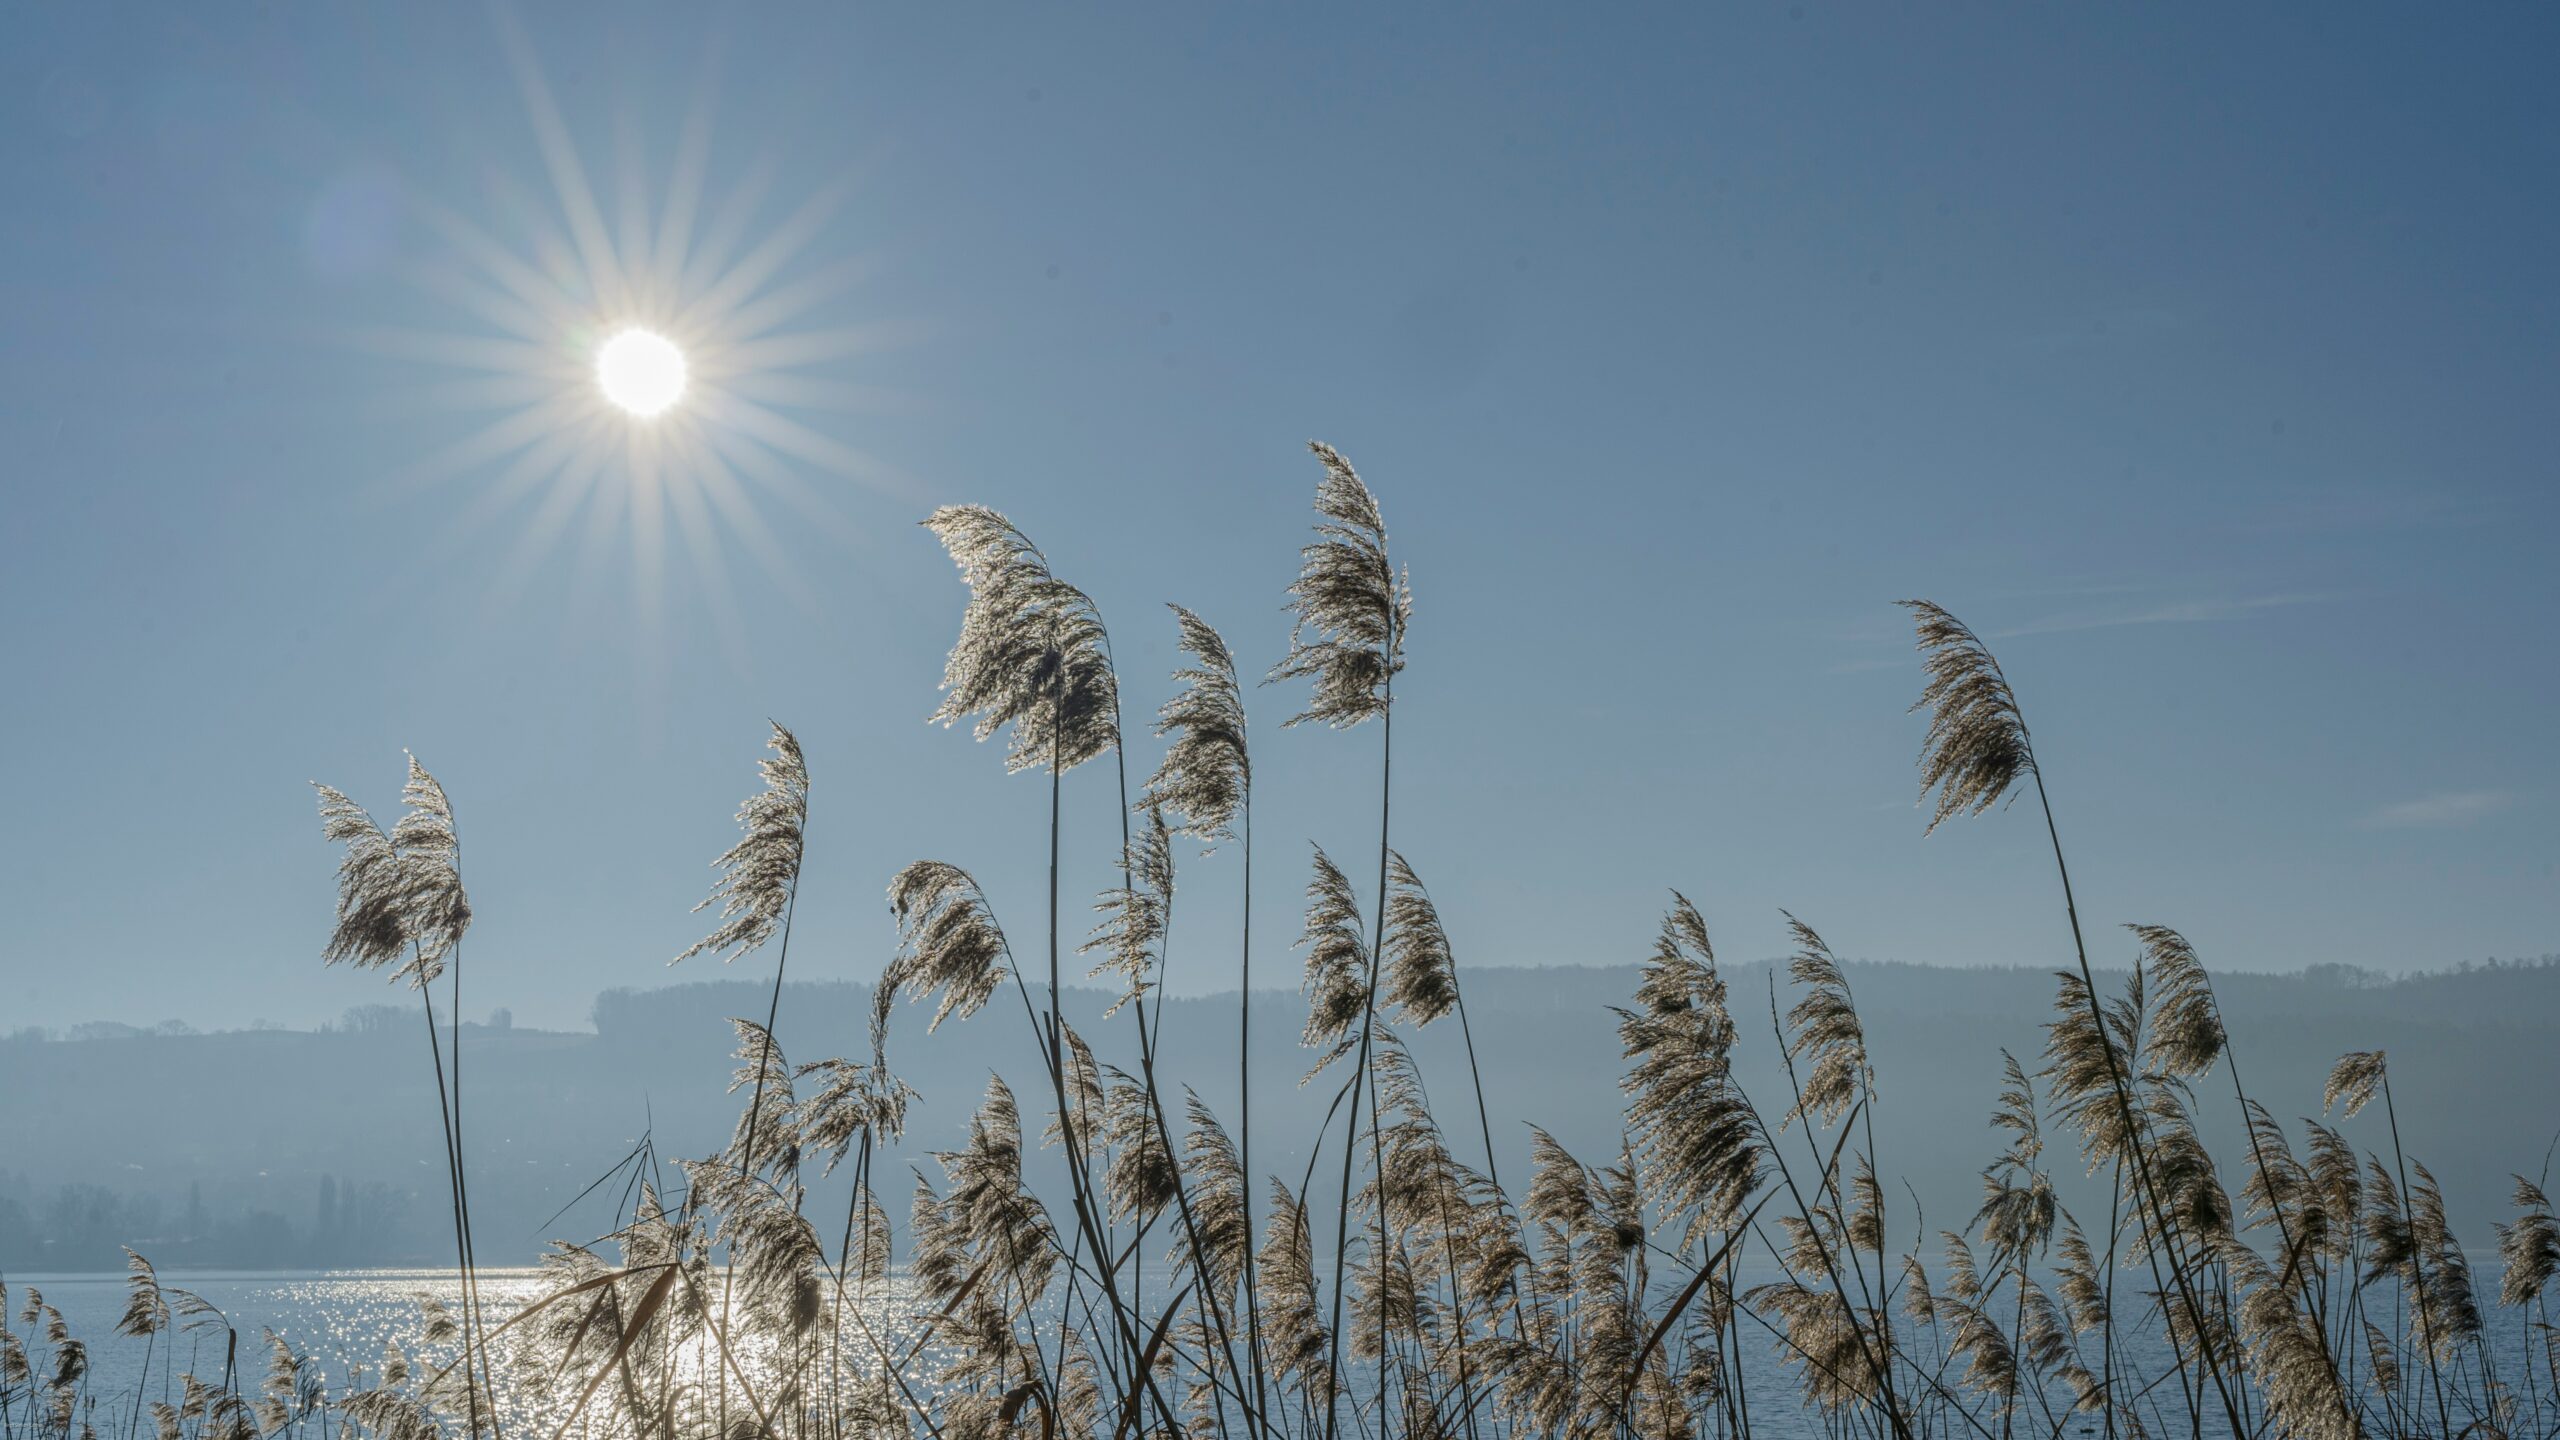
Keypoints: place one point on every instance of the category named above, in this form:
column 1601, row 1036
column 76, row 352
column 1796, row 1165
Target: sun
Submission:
column 659, row 369
column 642, row 371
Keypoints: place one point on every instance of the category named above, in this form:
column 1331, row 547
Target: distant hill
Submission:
column 272, row 1147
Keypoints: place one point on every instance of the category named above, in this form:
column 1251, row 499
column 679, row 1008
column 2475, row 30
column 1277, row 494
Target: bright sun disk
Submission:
column 642, row 371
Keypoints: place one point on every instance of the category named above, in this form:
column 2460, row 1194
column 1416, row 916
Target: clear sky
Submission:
column 2202, row 356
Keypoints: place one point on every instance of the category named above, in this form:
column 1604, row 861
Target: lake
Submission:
column 343, row 1319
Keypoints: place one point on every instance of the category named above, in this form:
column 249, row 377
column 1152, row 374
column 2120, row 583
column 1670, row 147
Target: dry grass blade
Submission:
column 651, row 1300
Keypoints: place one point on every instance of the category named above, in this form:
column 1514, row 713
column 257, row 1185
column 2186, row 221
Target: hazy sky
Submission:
column 2205, row 359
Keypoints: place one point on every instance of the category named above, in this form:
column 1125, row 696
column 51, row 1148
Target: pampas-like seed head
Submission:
column 2353, row 1081
column 1421, row 974
column 1032, row 653
column 1695, row 1133
column 430, row 850
column 1351, row 606
column 2185, row 1024
column 1827, row 1030
column 1977, row 746
column 370, row 929
column 1337, row 977
column 759, row 874
column 1134, row 915
column 146, row 1310
column 948, row 940
column 1206, row 776
column 2529, row 1250
column 400, row 895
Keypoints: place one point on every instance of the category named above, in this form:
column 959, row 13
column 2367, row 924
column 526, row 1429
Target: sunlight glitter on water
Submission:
column 343, row 1319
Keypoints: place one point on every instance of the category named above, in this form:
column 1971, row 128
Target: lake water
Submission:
column 343, row 1319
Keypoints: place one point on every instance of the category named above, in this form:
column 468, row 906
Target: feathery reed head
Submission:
column 1206, row 776
column 1693, row 1130
column 2529, row 1249
column 1032, row 653
column 1977, row 744
column 1350, row 604
column 430, row 849
column 146, row 1311
column 2185, row 1024
column 2353, row 1081
column 370, row 929
column 759, row 874
column 1337, row 975
column 1421, row 975
column 1827, row 1029
column 400, row 895
column 1134, row 916
column 948, row 940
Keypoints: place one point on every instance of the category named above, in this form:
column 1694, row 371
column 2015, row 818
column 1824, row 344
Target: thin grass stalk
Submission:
column 475, row 1324
column 1244, row 1103
column 2294, row 1252
column 2133, row 1130
column 1155, row 1096
column 461, row 1244
column 1978, row 747
column 1368, row 1030
column 2417, row 1261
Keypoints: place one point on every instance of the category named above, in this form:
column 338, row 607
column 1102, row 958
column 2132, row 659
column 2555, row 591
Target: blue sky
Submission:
column 2203, row 359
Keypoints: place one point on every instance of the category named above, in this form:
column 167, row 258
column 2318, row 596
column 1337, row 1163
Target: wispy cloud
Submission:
column 2441, row 810
column 2332, row 508
column 2100, row 608
column 2195, row 611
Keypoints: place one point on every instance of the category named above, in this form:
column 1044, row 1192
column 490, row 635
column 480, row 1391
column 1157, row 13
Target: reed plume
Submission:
column 1350, row 606
column 1135, row 914
column 1032, row 653
column 2353, row 1082
column 760, row 874
column 2529, row 1249
column 948, row 941
column 1692, row 1127
column 1827, row 1031
column 401, row 902
column 1337, row 981
column 1976, row 751
column 1205, row 780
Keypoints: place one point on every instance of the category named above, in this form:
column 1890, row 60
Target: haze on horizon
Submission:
column 1678, row 347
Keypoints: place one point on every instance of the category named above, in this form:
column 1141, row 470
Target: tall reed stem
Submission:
column 1368, row 1029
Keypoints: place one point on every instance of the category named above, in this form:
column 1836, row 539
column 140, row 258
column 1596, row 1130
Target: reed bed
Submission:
column 1104, row 1258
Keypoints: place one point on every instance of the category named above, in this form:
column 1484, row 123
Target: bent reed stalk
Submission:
column 2323, row 1298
